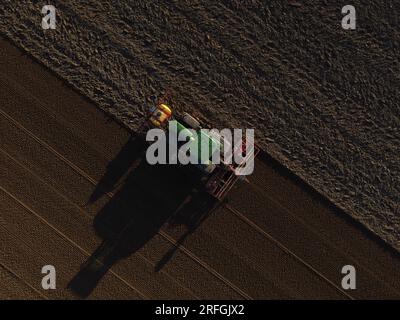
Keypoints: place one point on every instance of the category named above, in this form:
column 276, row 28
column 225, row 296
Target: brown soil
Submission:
column 74, row 194
column 324, row 101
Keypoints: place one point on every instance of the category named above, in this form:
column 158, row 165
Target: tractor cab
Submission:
column 159, row 115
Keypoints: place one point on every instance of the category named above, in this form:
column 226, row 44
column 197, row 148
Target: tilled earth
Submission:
column 76, row 193
column 324, row 101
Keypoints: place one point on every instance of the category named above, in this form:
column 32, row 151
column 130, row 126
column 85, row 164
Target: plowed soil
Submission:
column 75, row 194
column 324, row 101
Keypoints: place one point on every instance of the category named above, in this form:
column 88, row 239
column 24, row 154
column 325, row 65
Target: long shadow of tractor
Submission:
column 143, row 198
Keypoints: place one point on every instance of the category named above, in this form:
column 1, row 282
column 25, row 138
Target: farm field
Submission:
column 323, row 100
column 75, row 194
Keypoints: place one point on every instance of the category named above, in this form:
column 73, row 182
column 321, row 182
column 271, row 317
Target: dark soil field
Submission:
column 324, row 101
column 74, row 192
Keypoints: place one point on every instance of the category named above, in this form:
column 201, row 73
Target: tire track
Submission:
column 23, row 281
column 255, row 227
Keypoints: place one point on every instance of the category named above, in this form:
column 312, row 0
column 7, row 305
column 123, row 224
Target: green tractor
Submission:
column 217, row 179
